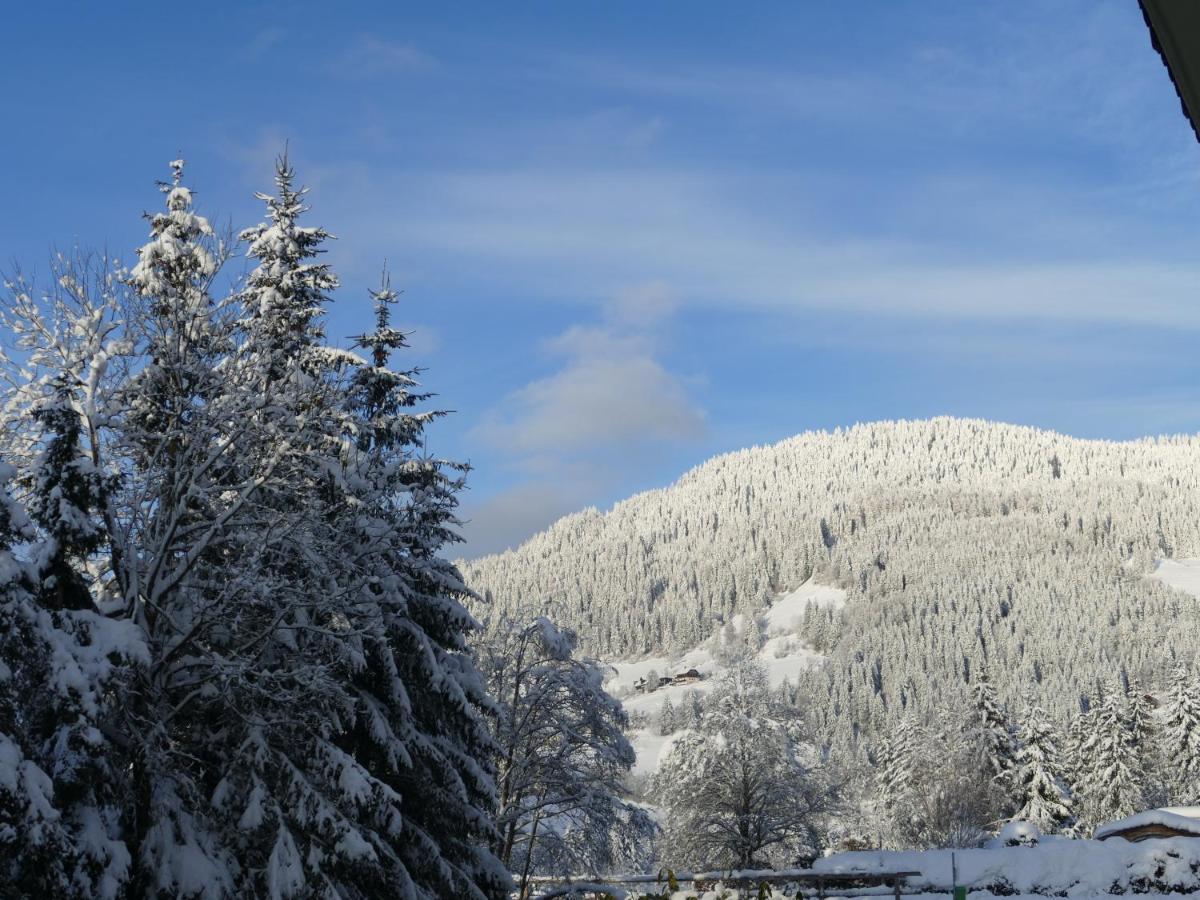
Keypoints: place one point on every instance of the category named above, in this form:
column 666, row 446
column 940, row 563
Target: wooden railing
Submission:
column 546, row 887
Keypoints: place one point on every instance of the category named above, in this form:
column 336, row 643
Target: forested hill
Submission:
column 960, row 542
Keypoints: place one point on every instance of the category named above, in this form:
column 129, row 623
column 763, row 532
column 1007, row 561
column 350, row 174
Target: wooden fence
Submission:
column 815, row 884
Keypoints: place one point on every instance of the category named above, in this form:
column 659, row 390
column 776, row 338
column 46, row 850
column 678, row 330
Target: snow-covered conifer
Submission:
column 285, row 295
column 1110, row 785
column 899, row 757
column 65, row 492
column 1044, row 799
column 1181, row 737
column 271, row 692
column 997, row 746
column 62, row 781
column 668, row 719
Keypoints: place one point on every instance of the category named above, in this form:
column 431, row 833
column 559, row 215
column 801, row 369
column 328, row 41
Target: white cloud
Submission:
column 595, row 402
column 643, row 305
column 612, row 392
column 506, row 519
column 611, row 404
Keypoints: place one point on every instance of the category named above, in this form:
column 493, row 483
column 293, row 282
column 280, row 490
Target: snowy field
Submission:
column 784, row 655
column 1183, row 574
column 1054, row 867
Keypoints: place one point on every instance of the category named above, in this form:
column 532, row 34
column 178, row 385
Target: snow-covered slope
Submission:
column 1181, row 574
column 785, row 613
column 785, row 655
column 956, row 544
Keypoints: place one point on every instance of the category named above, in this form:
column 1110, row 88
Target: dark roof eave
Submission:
column 1175, row 34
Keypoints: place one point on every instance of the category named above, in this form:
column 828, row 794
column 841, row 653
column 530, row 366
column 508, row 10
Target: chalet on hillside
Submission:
column 1154, row 824
column 691, row 676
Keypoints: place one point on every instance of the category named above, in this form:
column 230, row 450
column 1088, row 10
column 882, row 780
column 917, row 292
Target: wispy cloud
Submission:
column 370, row 55
column 1009, row 253
column 264, row 41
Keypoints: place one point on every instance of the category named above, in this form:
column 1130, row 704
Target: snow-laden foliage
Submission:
column 562, row 756
column 1037, row 775
column 997, row 748
column 60, row 784
column 962, row 546
column 237, row 662
column 933, row 785
column 1110, row 782
column 744, row 789
column 1181, row 737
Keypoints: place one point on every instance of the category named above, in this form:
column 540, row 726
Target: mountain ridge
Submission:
column 961, row 544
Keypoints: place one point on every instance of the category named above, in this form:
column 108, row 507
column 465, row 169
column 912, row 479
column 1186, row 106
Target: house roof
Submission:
column 1175, row 34
column 1185, row 819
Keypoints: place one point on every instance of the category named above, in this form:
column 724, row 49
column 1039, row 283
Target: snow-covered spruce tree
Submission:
column 562, row 755
column 61, row 781
column 1181, row 737
column 932, row 791
column 898, row 771
column 1079, row 753
column 1044, row 799
column 1146, row 740
column 284, row 299
column 357, row 761
column 277, row 654
column 997, row 747
column 668, row 719
column 745, row 789
column 37, row 853
column 421, row 699
column 1110, row 785
column 65, row 491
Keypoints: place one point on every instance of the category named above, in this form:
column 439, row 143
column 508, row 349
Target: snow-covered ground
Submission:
column 1050, row 867
column 1183, row 574
column 1056, row 866
column 786, row 612
column 784, row 655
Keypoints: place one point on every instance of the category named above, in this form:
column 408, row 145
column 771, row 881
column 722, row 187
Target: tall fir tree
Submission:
column 899, row 776
column 62, row 777
column 996, row 742
column 1181, row 737
column 65, row 492
column 37, row 853
column 1043, row 797
column 285, row 296
column 1111, row 782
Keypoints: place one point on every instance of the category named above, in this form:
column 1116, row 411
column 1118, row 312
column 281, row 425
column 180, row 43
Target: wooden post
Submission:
column 896, row 886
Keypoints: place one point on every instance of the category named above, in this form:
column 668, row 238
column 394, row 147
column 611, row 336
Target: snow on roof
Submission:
column 1180, row 818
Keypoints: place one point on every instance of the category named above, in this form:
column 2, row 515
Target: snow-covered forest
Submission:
column 1002, row 636
column 961, row 544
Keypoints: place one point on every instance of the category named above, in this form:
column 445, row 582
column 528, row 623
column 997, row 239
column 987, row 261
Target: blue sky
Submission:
column 635, row 235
